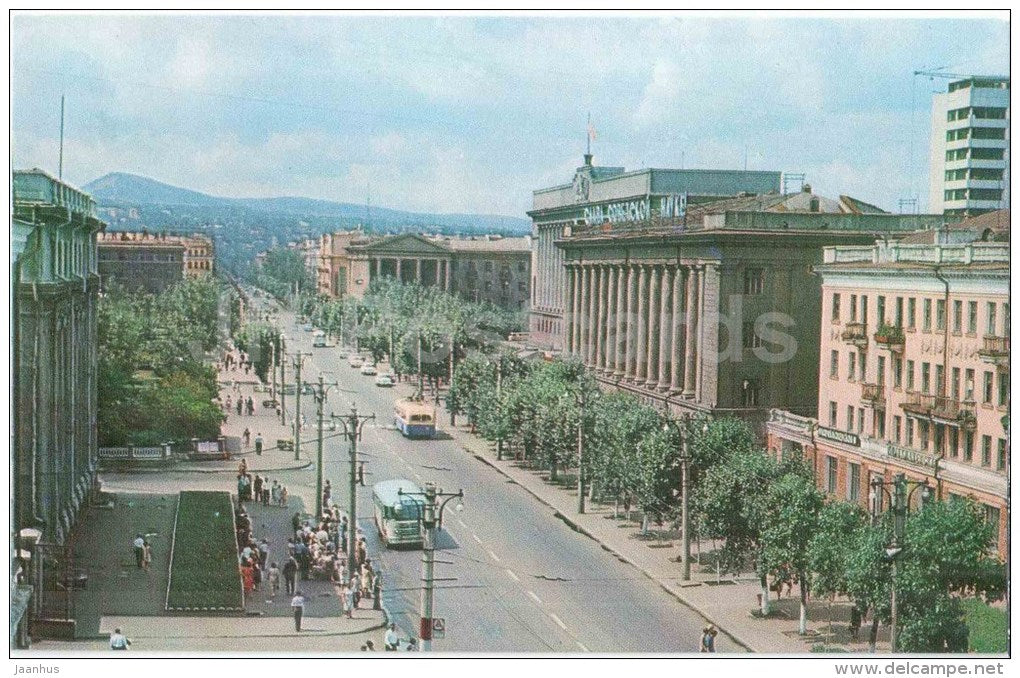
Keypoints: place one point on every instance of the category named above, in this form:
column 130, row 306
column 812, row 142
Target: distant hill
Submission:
column 120, row 189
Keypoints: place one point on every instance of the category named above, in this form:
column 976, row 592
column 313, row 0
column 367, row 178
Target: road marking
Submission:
column 581, row 645
column 476, row 537
column 461, row 523
column 534, row 597
column 510, row 573
column 559, row 622
column 494, row 556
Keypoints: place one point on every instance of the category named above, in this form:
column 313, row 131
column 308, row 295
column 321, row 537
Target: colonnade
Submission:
column 638, row 322
column 442, row 269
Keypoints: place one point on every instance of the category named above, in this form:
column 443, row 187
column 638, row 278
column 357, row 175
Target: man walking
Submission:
column 263, row 553
column 118, row 641
column 247, row 437
column 391, row 642
column 289, row 574
column 298, row 604
column 258, row 443
column 139, row 545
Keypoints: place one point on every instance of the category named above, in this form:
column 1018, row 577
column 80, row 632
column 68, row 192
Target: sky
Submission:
column 473, row 113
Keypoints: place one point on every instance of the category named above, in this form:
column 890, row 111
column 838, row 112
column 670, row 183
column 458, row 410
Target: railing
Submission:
column 872, row 393
column 131, row 452
column 890, row 336
column 942, row 407
column 855, row 333
column 785, row 418
column 993, row 346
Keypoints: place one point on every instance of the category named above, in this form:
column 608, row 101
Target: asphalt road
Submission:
column 511, row 576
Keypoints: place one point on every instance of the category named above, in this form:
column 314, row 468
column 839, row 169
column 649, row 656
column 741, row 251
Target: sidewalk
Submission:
column 722, row 600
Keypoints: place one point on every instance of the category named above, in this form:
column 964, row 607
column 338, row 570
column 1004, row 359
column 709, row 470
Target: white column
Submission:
column 620, row 359
column 597, row 317
column 630, row 350
column 676, row 351
column 691, row 329
column 610, row 305
column 652, row 378
column 665, row 329
column 641, row 369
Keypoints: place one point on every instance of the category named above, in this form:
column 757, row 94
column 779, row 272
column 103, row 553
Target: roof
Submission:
column 990, row 226
column 488, row 244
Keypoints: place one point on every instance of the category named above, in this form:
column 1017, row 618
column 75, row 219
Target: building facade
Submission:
column 482, row 269
column 716, row 312
column 970, row 147
column 199, row 255
column 611, row 195
column 141, row 260
column 54, row 453
column 913, row 373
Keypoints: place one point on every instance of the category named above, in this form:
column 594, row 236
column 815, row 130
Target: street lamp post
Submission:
column 685, row 532
column 580, row 451
column 283, row 379
column 299, row 358
column 353, row 423
column 320, row 400
column 900, row 499
column 428, row 559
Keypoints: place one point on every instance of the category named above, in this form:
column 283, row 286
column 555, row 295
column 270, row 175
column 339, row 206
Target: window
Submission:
column 940, row 314
column 881, row 310
column 752, row 394
column 908, row 429
column 955, row 393
column 986, row 153
column 897, row 422
column 968, row 445
column 957, row 317
column 832, row 414
column 853, row 483
column 986, row 174
column 899, row 312
column 911, row 313
column 860, row 420
column 834, row 365
column 832, row 468
column 835, row 307
column 910, row 375
column 862, row 361
column 986, row 390
column 853, row 308
column 852, row 367
column 971, row 317
column 926, row 316
column 880, row 378
column 850, row 418
column 986, row 450
column 940, row 380
column 968, row 385
column 954, row 441
column 1003, row 389
column 897, row 368
column 750, row 337
column 940, row 438
column 1000, row 461
column 988, row 132
column 985, row 194
column 880, row 424
column 925, row 378
column 990, row 329
column 754, row 281
column 922, row 433
column 864, row 309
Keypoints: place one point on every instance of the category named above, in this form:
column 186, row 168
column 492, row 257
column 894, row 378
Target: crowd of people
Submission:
column 259, row 489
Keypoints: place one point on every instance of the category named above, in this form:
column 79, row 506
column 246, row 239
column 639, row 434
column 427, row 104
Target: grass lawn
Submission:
column 987, row 626
column 204, row 573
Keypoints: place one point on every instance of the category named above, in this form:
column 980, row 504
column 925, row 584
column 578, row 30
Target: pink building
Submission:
column 913, row 374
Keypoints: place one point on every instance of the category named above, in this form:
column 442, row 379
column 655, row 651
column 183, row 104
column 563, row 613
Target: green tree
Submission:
column 829, row 550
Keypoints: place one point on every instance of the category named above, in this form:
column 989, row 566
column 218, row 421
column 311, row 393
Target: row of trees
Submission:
column 155, row 384
column 768, row 514
column 283, row 273
column 411, row 326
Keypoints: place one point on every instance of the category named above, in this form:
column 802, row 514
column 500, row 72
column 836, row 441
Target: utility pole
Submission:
column 298, row 359
column 283, row 380
column 899, row 527
column 421, row 375
column 685, row 533
column 353, row 423
column 272, row 358
column 580, row 450
column 453, row 351
column 499, row 392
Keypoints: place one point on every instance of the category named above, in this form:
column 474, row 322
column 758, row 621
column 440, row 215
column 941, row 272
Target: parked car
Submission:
column 385, row 379
column 343, row 355
column 368, row 369
column 308, row 327
column 355, row 361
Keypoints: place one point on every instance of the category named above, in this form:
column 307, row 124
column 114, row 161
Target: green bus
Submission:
column 399, row 506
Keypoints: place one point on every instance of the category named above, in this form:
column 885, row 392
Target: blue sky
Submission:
column 470, row 114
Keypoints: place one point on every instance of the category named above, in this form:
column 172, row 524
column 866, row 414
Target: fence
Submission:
column 131, row 452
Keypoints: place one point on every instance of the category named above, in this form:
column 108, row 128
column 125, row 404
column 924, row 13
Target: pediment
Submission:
column 407, row 244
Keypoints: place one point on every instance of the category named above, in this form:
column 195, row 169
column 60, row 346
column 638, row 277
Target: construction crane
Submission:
column 939, row 73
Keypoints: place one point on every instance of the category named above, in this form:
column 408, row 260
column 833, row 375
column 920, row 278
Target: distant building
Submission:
column 482, row 268
column 199, row 255
column 611, row 195
column 970, row 147
column 147, row 261
column 913, row 374
column 55, row 282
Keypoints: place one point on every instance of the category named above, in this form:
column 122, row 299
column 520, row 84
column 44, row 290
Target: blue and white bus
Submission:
column 415, row 419
column 399, row 506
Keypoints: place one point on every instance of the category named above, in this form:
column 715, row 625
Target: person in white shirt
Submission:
column 118, row 641
column 139, row 545
column 298, row 604
column 391, row 642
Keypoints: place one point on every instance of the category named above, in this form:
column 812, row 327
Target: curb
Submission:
column 578, row 528
column 170, row 469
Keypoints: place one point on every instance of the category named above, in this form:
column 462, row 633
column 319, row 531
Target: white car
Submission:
column 385, row 380
column 368, row 370
column 355, row 361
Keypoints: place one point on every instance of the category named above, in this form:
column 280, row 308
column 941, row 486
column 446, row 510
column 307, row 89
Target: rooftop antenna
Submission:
column 589, row 137
column 60, row 162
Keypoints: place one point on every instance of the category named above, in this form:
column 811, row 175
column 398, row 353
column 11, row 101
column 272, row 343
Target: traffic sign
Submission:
column 438, row 628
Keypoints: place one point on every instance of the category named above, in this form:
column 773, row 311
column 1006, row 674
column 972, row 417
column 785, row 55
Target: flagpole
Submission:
column 587, row 135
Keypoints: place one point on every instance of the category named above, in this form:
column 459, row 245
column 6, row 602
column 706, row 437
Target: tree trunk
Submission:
column 764, row 595
column 644, row 524
column 873, row 636
column 802, row 628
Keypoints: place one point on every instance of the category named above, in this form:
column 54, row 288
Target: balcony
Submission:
column 890, row 337
column 856, row 334
column 995, row 350
column 873, row 395
column 943, row 408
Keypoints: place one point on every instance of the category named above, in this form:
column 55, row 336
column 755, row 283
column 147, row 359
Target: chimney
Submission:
column 806, row 188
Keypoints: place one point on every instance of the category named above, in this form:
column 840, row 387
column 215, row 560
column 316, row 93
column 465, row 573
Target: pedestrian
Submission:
column 274, row 579
column 327, row 492
column 295, row 521
column 146, row 555
column 139, row 545
column 247, row 576
column 242, row 467
column 118, row 641
column 304, row 559
column 275, row 493
column 708, row 639
column 855, row 623
column 247, row 437
column 263, row 552
column 283, row 497
column 258, row 487
column 251, row 406
column 265, row 492
column 377, row 592
column 391, row 642
column 289, row 574
column 356, row 589
column 256, row 572
column 298, row 605
column 369, row 646
column 258, row 443
column 240, row 405
column 348, row 595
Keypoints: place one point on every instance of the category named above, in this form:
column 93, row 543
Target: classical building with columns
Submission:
column 600, row 195
column 483, row 268
column 715, row 311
